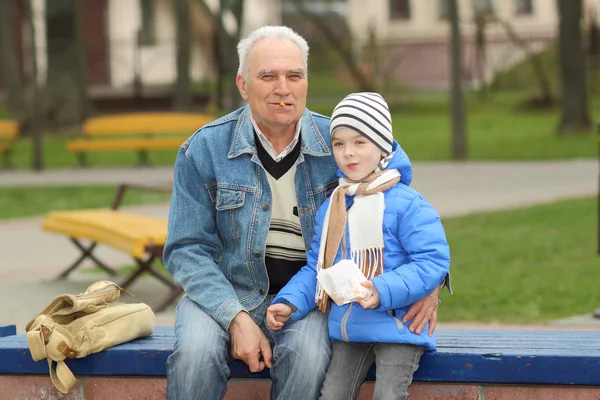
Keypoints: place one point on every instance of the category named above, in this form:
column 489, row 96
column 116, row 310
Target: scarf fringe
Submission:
column 369, row 261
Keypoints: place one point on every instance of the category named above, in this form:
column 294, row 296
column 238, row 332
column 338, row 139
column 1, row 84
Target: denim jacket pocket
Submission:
column 228, row 203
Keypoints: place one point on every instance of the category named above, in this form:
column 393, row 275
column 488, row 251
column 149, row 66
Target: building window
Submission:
column 524, row 7
column 485, row 7
column 443, row 9
column 147, row 33
column 399, row 9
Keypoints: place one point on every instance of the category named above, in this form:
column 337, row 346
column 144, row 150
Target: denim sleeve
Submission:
column 193, row 244
column 422, row 235
column 300, row 290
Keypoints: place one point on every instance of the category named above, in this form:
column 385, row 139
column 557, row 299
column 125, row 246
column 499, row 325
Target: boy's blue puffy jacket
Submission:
column 416, row 260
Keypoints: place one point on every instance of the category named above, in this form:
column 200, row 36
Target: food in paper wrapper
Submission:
column 342, row 282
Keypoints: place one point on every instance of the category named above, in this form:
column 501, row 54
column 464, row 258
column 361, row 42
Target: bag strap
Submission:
column 37, row 345
column 62, row 378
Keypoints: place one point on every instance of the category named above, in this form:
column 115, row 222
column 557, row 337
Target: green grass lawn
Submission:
column 524, row 266
column 520, row 266
column 495, row 131
column 25, row 202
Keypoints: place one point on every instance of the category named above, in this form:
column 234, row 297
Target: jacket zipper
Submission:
column 399, row 324
column 344, row 321
column 347, row 313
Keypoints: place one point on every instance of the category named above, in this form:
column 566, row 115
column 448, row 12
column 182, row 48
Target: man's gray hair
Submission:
column 266, row 32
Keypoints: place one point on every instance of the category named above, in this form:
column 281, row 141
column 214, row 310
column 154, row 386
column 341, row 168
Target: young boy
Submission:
column 395, row 237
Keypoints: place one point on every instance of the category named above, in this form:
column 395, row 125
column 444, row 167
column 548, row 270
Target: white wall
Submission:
column 425, row 23
column 158, row 62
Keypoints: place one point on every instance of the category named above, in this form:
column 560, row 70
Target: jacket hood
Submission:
column 399, row 161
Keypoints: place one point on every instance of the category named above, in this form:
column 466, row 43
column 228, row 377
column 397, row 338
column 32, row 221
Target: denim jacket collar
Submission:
column 312, row 142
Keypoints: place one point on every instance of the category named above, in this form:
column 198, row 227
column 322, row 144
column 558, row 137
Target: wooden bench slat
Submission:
column 476, row 361
column 6, row 146
column 127, row 232
column 9, row 129
column 146, row 123
column 130, row 144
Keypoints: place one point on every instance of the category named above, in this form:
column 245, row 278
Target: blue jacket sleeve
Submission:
column 422, row 235
column 193, row 243
column 300, row 290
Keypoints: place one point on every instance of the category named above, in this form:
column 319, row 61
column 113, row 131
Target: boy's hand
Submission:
column 277, row 314
column 371, row 301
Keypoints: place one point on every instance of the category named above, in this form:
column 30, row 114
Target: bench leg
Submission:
column 85, row 253
column 174, row 295
column 6, row 164
column 143, row 157
column 81, row 159
column 146, row 266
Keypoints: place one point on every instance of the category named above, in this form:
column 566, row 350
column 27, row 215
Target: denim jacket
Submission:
column 221, row 210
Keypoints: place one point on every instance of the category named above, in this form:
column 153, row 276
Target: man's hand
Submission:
column 248, row 343
column 373, row 300
column 423, row 311
column 277, row 314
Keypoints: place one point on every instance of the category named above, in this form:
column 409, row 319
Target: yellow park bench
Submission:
column 9, row 133
column 139, row 132
column 143, row 238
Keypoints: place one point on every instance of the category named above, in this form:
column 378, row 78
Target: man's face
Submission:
column 276, row 74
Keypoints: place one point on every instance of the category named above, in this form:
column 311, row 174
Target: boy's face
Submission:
column 355, row 155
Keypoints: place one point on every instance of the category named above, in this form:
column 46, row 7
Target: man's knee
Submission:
column 307, row 342
column 200, row 341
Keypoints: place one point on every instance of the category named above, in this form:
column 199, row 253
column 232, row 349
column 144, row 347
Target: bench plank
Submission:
column 146, row 123
column 129, row 233
column 518, row 357
column 8, row 330
column 9, row 129
column 125, row 144
column 137, row 131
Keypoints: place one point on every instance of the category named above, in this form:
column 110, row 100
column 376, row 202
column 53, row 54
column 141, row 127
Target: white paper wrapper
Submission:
column 342, row 282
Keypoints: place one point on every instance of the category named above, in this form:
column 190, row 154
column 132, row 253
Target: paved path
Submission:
column 29, row 258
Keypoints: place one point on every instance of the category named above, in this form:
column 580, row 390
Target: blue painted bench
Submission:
column 516, row 357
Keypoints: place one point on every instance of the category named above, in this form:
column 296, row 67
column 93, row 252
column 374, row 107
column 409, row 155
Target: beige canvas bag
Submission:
column 73, row 326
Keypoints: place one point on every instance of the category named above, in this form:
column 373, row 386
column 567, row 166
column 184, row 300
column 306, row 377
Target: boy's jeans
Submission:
column 198, row 368
column 395, row 363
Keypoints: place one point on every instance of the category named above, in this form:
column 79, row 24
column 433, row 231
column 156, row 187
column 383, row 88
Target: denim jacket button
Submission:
column 265, row 207
column 257, row 254
column 261, row 291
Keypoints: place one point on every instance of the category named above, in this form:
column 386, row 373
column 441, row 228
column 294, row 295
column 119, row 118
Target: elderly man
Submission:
column 246, row 191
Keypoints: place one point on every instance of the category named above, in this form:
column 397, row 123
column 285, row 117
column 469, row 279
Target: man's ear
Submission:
column 241, row 84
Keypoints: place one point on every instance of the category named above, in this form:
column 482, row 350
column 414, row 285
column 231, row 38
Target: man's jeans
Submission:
column 198, row 368
column 395, row 363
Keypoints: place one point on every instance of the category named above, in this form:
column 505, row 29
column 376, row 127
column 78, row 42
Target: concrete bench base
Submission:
column 16, row 387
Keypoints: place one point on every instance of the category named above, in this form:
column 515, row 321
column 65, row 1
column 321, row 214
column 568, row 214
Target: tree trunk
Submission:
column 81, row 77
column 480, row 51
column 64, row 95
column 36, row 101
column 337, row 44
column 459, row 140
column 237, row 8
column 183, row 94
column 545, row 90
column 225, row 51
column 11, row 78
column 574, row 107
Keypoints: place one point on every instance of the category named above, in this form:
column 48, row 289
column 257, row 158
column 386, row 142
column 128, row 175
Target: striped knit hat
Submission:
column 367, row 114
